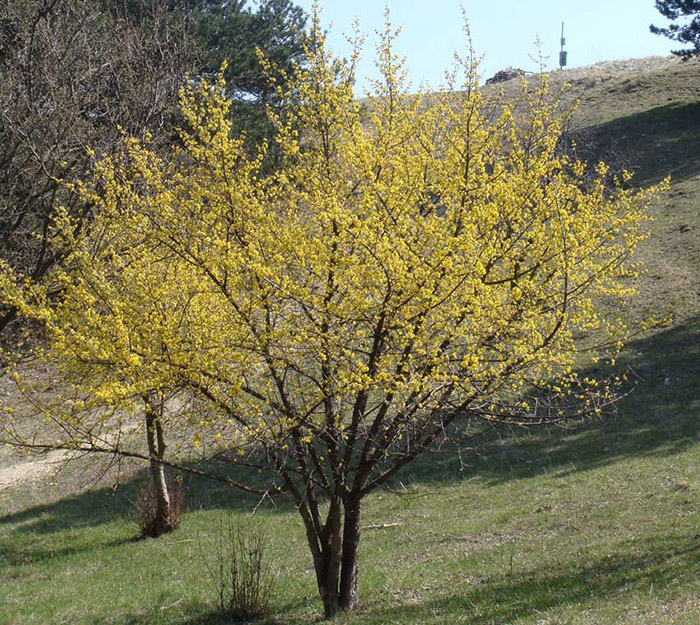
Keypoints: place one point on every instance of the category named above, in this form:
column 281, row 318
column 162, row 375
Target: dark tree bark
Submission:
column 328, row 566
column 349, row 594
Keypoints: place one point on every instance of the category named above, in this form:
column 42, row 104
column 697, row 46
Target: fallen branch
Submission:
column 381, row 526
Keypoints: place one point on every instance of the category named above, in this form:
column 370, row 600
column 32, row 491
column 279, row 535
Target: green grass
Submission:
column 596, row 525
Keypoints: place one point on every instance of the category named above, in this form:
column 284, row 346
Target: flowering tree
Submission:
column 418, row 263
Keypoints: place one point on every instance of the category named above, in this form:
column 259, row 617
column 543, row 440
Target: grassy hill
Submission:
column 591, row 526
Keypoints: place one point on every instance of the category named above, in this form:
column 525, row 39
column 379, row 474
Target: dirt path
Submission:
column 32, row 470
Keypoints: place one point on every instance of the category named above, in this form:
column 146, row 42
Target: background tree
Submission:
column 235, row 32
column 419, row 266
column 73, row 79
column 76, row 78
column 687, row 32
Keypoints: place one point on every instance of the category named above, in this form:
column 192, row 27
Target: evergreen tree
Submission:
column 231, row 32
column 234, row 32
column 687, row 32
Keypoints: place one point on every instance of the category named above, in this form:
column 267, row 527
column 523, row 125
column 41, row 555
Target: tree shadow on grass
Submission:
column 656, row 143
column 635, row 566
column 100, row 506
column 659, row 416
column 216, row 618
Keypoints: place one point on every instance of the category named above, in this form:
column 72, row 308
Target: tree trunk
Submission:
column 329, row 597
column 328, row 564
column 351, row 563
column 156, row 453
column 337, row 563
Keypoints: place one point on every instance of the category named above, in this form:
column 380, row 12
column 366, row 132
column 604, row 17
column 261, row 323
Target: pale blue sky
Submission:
column 503, row 31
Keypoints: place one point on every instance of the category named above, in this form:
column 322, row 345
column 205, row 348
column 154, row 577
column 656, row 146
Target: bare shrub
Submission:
column 146, row 509
column 241, row 571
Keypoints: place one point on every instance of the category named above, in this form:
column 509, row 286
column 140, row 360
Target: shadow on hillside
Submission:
column 99, row 506
column 654, row 144
column 631, row 566
column 635, row 566
column 658, row 417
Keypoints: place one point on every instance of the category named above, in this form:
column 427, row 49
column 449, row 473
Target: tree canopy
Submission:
column 59, row 110
column 687, row 31
column 419, row 264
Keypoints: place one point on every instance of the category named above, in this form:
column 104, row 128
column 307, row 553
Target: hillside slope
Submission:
column 645, row 116
column 595, row 526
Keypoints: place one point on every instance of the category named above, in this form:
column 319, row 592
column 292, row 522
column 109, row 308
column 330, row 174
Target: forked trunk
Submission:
column 337, row 563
